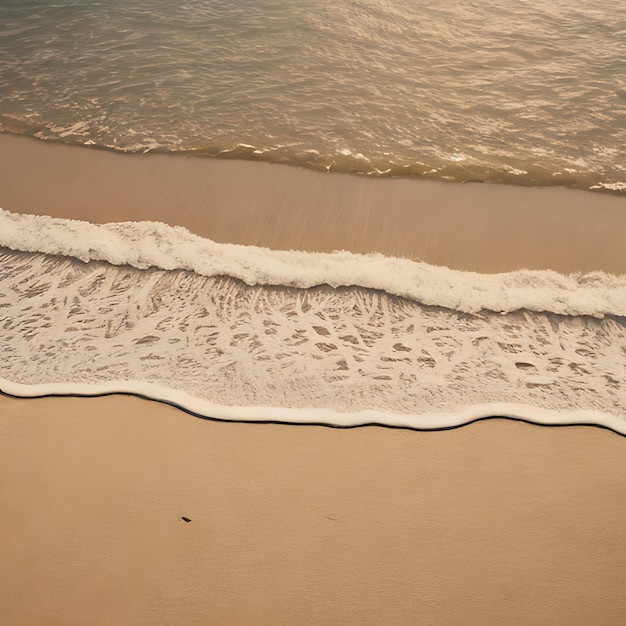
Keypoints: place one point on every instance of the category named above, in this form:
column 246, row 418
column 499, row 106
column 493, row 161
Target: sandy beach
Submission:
column 493, row 523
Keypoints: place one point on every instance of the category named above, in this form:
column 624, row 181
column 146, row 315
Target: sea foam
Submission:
column 156, row 245
column 229, row 332
column 324, row 417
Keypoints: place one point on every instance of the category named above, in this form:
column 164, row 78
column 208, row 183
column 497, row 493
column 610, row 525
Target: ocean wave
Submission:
column 342, row 356
column 157, row 245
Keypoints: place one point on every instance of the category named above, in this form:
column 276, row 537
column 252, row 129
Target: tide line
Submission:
column 316, row 416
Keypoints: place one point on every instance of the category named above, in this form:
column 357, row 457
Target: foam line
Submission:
column 314, row 416
column 153, row 244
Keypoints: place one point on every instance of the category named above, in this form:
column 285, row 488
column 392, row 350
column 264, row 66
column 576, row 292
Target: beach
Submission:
column 312, row 313
column 496, row 522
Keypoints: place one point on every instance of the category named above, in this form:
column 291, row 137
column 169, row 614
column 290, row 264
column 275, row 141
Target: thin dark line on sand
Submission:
column 322, row 424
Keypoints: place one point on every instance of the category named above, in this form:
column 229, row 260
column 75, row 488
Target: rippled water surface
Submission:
column 528, row 92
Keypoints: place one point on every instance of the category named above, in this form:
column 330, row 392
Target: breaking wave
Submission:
column 156, row 245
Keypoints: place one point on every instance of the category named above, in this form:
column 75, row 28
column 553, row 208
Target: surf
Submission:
column 342, row 355
column 152, row 244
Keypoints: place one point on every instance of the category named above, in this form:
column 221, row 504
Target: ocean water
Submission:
column 528, row 93
column 525, row 92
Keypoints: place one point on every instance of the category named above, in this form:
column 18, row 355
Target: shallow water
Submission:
column 514, row 91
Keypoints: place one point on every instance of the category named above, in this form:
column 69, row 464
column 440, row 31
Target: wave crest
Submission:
column 157, row 245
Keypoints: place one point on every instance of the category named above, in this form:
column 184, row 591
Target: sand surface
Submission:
column 494, row 523
column 477, row 227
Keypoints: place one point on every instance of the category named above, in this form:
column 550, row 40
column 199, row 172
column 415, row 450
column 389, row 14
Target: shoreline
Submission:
column 490, row 523
column 486, row 228
column 317, row 417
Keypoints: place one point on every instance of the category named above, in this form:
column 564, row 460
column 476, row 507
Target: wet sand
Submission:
column 494, row 523
column 476, row 227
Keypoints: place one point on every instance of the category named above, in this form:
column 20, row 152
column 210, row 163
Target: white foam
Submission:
column 330, row 417
column 619, row 186
column 153, row 244
column 68, row 326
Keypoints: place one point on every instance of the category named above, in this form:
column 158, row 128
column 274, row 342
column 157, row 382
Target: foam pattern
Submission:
column 352, row 353
column 152, row 244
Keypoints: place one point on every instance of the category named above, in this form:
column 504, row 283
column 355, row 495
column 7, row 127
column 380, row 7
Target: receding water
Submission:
column 520, row 91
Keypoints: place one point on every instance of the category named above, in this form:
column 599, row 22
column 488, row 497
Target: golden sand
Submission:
column 493, row 523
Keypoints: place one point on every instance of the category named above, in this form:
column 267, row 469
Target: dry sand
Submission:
column 494, row 523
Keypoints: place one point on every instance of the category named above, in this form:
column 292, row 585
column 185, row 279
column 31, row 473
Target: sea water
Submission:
column 512, row 91
column 516, row 91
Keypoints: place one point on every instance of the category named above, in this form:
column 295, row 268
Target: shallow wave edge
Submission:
column 146, row 245
column 318, row 416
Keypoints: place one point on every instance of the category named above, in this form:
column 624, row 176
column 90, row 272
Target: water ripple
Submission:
column 527, row 92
